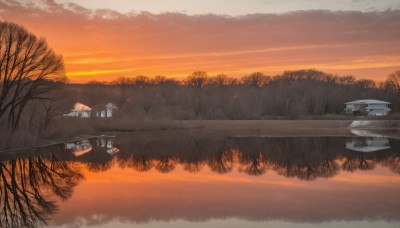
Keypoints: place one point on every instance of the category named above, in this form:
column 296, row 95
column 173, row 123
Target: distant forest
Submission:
column 302, row 94
column 290, row 95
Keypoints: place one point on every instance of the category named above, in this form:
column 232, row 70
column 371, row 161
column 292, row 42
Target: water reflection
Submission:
column 33, row 181
column 305, row 158
column 29, row 187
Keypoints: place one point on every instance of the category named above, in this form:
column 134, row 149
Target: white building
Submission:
column 101, row 110
column 105, row 111
column 367, row 107
column 80, row 110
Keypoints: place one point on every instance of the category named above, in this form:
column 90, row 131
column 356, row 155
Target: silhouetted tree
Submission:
column 123, row 84
column 393, row 81
column 222, row 80
column 256, row 79
column 26, row 66
column 198, row 79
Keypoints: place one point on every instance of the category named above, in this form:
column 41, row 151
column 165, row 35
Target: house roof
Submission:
column 368, row 101
column 110, row 104
column 103, row 105
column 81, row 107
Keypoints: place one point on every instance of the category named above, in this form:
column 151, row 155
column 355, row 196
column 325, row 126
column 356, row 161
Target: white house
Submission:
column 80, row 110
column 367, row 107
column 105, row 111
column 101, row 110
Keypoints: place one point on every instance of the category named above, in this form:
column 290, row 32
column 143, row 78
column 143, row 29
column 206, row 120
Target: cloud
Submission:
column 176, row 44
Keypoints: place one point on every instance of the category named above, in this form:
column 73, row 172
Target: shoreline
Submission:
column 246, row 128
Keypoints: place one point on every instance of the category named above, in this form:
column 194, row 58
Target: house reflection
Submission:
column 79, row 148
column 108, row 144
column 102, row 144
column 367, row 144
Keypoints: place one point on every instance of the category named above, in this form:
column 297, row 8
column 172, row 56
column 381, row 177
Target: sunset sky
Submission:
column 102, row 40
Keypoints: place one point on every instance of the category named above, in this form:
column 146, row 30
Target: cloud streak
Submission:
column 365, row 44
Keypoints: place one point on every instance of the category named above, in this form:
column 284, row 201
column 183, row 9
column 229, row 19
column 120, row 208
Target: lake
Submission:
column 190, row 179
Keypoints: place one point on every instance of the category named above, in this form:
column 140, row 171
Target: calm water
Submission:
column 194, row 180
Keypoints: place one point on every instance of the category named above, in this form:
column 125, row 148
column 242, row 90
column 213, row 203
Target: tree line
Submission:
column 292, row 94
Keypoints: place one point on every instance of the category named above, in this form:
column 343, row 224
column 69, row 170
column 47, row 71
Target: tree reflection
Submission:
column 357, row 160
column 192, row 166
column 29, row 187
column 328, row 168
column 166, row 164
column 222, row 162
column 310, row 171
column 392, row 161
column 141, row 163
column 252, row 163
column 191, row 160
column 305, row 158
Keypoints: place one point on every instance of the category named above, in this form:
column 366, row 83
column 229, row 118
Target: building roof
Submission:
column 112, row 105
column 81, row 107
column 368, row 101
column 103, row 105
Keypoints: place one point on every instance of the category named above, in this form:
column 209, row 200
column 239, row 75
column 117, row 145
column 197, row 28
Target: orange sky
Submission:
column 104, row 44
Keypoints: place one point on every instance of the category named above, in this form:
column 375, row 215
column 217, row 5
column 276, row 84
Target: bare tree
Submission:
column 27, row 65
column 222, row 80
column 141, row 81
column 163, row 80
column 347, row 80
column 365, row 84
column 256, row 79
column 393, row 81
column 198, row 79
column 123, row 84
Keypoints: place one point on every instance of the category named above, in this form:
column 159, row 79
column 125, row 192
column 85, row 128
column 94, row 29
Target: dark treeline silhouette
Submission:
column 292, row 94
